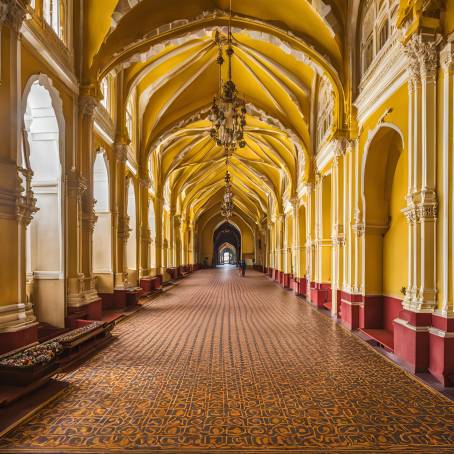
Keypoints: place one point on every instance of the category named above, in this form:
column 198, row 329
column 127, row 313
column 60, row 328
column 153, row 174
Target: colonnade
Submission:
column 363, row 232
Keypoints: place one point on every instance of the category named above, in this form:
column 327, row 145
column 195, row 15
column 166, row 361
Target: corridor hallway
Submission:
column 222, row 362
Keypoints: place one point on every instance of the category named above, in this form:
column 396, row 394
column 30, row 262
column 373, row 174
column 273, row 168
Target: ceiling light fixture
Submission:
column 227, row 204
column 228, row 112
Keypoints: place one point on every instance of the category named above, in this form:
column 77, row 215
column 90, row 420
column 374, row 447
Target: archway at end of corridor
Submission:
column 226, row 238
column 227, row 254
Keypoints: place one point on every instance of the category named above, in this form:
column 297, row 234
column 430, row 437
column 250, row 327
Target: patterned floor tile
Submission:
column 237, row 364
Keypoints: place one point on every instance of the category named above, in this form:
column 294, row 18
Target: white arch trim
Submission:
column 57, row 104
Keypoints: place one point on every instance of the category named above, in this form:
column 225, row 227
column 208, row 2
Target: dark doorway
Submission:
column 226, row 233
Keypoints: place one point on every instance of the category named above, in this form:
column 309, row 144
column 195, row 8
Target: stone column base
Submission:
column 321, row 294
column 411, row 339
column 441, row 343
column 349, row 309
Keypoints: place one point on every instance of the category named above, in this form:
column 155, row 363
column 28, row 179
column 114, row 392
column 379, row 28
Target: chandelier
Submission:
column 228, row 112
column 227, row 204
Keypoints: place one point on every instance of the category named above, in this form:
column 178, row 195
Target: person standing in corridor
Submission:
column 243, row 268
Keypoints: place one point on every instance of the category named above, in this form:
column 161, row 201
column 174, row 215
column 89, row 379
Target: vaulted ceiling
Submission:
column 167, row 51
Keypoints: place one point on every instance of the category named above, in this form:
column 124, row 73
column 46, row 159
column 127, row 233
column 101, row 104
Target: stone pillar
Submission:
column 159, row 233
column 75, row 186
column 120, row 219
column 411, row 335
column 176, row 226
column 18, row 325
column 337, row 234
column 446, row 249
column 268, row 248
column 184, row 235
column 353, row 226
column 296, row 240
column 310, row 239
column 441, row 336
column 87, row 106
column 144, row 230
column 280, row 230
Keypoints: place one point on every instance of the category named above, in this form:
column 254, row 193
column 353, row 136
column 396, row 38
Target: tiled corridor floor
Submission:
column 237, row 364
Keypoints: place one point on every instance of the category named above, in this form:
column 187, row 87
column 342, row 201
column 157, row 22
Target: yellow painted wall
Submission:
column 395, row 259
column 394, row 111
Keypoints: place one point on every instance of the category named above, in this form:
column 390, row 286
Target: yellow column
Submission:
column 422, row 204
column 159, row 233
column 87, row 106
column 296, row 240
column 446, row 244
column 177, row 240
column 17, row 321
column 337, row 234
column 144, row 229
column 120, row 219
column 310, row 238
column 280, row 231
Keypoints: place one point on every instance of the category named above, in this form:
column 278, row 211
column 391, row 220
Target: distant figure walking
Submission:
column 243, row 268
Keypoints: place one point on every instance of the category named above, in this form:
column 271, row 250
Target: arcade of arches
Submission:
column 110, row 183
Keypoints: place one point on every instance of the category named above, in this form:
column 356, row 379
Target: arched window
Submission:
column 101, row 184
column 102, row 242
column 54, row 13
column 377, row 24
column 45, row 251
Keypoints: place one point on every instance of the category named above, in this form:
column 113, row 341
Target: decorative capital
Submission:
column 121, row 152
column 447, row 57
column 87, row 105
column 76, row 184
column 145, row 183
column 422, row 55
column 421, row 212
column 12, row 14
column 341, row 144
column 359, row 229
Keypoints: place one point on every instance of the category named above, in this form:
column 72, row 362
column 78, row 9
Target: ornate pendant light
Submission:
column 227, row 204
column 228, row 112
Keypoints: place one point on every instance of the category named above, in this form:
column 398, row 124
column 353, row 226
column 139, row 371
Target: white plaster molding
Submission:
column 325, row 155
column 406, row 324
column 65, row 73
column 440, row 333
column 203, row 32
column 385, row 76
column 106, row 135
